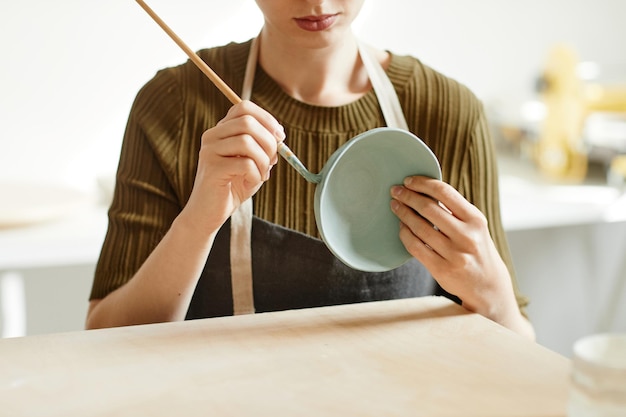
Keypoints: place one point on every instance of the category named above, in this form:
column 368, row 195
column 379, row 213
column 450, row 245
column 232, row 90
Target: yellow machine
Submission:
column 560, row 152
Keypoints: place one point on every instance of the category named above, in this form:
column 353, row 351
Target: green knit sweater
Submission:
column 160, row 150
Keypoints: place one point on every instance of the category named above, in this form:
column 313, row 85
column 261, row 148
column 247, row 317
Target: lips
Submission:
column 316, row 23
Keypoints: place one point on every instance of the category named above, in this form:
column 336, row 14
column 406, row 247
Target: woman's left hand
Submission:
column 450, row 237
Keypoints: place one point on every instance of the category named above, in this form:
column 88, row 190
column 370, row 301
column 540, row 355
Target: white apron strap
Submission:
column 386, row 94
column 241, row 219
column 241, row 259
column 241, row 224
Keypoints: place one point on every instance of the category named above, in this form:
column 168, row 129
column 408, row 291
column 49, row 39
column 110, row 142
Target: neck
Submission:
column 324, row 75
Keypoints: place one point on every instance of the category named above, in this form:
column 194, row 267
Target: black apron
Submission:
column 292, row 270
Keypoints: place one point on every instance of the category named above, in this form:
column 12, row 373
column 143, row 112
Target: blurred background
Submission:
column 551, row 74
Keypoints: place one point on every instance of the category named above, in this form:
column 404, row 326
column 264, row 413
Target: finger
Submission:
column 242, row 171
column 426, row 208
column 239, row 127
column 449, row 198
column 242, row 146
column 249, row 125
column 421, row 229
column 422, row 251
column 261, row 115
column 462, row 222
column 264, row 119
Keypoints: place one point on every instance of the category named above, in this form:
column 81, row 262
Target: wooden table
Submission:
column 415, row 357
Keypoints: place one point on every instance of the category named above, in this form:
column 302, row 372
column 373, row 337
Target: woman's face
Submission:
column 309, row 21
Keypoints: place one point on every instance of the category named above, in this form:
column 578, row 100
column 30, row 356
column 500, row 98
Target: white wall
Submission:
column 70, row 68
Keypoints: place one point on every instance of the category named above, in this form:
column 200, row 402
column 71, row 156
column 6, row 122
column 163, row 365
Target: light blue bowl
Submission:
column 352, row 199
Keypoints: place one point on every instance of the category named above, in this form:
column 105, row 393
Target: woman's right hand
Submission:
column 235, row 159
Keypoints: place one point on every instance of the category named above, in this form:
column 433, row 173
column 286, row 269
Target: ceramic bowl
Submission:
column 352, row 200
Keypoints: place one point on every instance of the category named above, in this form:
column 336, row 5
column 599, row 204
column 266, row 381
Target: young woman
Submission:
column 193, row 167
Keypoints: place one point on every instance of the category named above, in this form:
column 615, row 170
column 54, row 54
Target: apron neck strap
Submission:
column 248, row 78
column 385, row 92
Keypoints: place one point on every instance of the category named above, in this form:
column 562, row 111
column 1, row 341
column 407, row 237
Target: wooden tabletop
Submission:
column 414, row 357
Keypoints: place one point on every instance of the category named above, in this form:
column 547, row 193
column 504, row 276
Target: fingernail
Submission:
column 408, row 180
column 396, row 190
column 279, row 133
column 395, row 205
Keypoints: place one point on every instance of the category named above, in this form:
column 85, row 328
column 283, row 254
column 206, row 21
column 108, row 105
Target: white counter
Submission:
column 48, row 250
column 526, row 205
column 568, row 244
